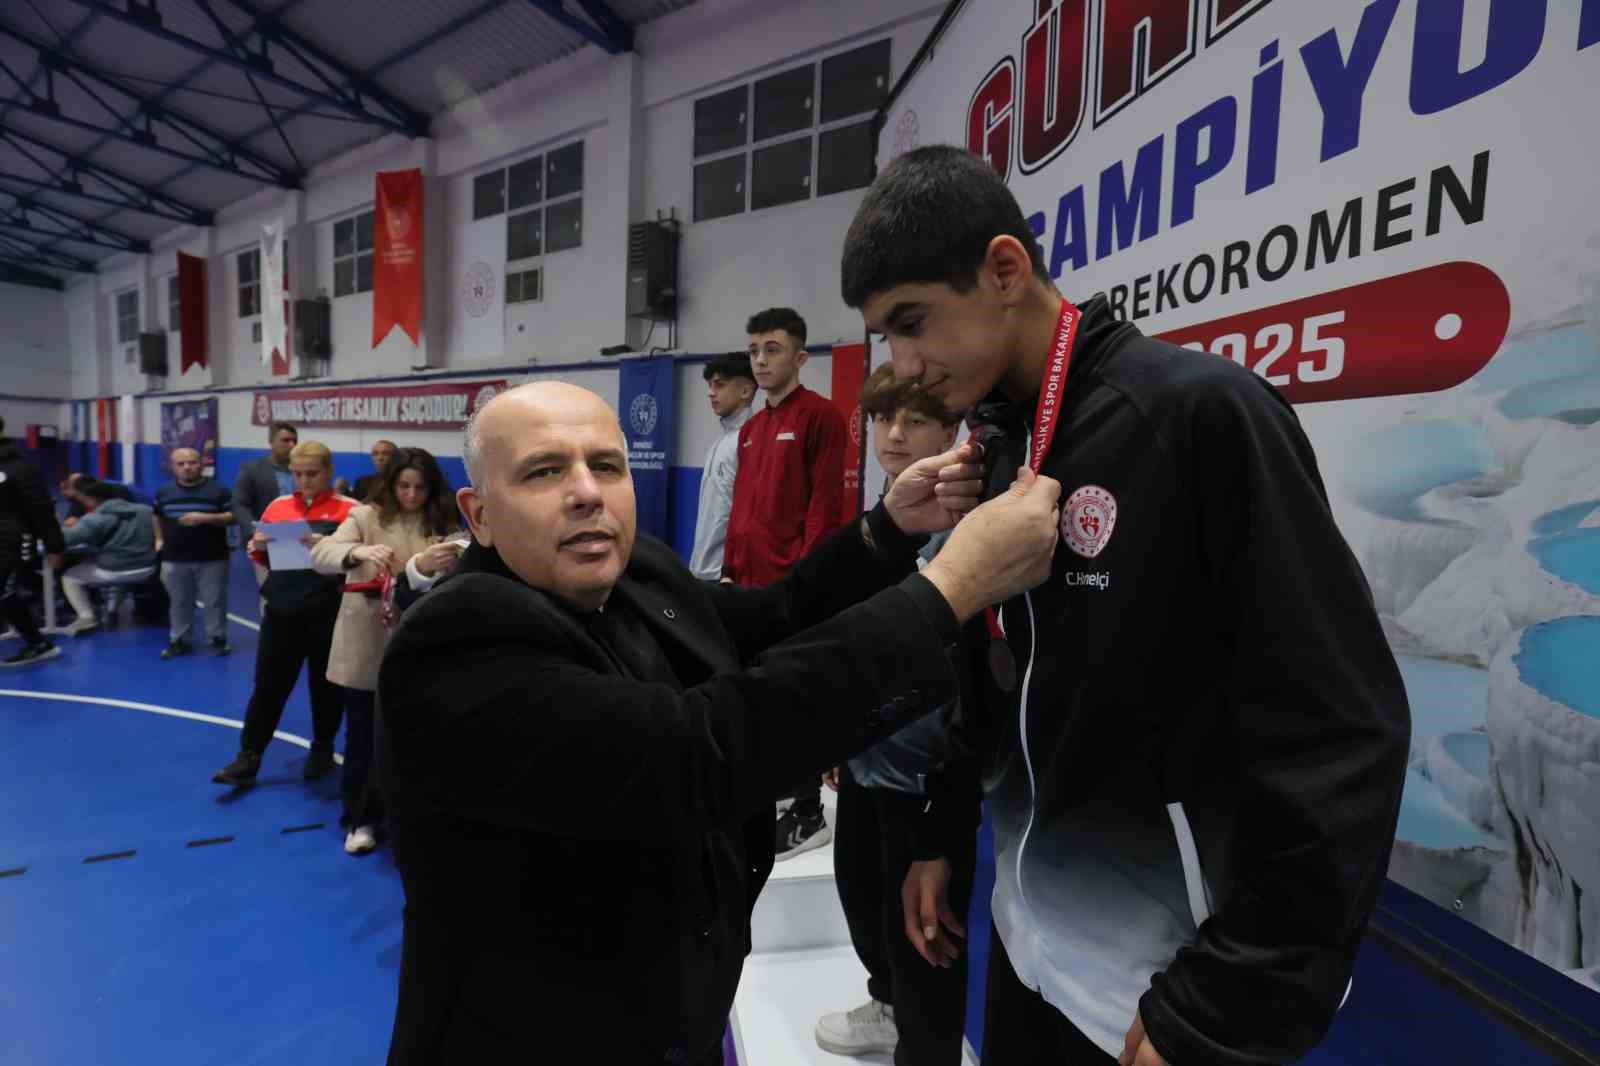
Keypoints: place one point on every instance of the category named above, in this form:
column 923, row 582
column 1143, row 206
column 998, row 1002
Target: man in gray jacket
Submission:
column 261, row 481
column 120, row 539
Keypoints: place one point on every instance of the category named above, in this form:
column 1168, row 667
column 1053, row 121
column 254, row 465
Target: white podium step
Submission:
column 801, row 966
column 782, row 995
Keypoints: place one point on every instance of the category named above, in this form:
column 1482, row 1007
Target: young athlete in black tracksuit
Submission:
column 1195, row 768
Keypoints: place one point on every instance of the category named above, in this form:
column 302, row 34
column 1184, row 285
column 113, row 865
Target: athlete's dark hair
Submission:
column 732, row 365
column 929, row 217
column 776, row 318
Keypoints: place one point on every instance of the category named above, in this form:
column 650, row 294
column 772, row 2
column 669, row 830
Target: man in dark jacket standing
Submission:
column 261, row 481
column 25, row 512
column 1193, row 736
column 582, row 742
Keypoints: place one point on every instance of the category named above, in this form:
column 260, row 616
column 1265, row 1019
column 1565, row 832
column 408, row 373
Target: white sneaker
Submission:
column 82, row 624
column 868, row 1028
column 360, row 841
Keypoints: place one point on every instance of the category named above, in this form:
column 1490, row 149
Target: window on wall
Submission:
column 789, row 136
column 524, row 286
column 542, row 199
column 488, row 194
column 174, row 308
column 352, row 255
column 249, row 283
column 128, row 316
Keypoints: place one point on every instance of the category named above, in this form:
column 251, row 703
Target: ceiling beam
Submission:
column 20, row 274
column 68, row 226
column 123, row 192
column 393, row 114
column 31, row 255
column 616, row 37
column 210, row 147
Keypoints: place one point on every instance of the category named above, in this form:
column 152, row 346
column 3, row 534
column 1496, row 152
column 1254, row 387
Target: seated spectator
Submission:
column 915, row 1012
column 193, row 513
column 77, row 506
column 401, row 532
column 118, row 537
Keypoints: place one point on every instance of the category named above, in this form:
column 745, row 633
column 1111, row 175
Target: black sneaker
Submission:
column 220, row 646
column 175, row 649
column 800, row 832
column 33, row 653
column 241, row 772
column 319, row 763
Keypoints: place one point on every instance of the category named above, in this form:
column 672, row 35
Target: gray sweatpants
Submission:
column 206, row 582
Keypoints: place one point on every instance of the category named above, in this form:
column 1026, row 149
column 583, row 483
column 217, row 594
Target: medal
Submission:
column 1002, row 664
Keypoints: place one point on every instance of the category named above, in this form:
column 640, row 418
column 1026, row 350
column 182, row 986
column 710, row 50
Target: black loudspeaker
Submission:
column 153, row 354
column 312, row 328
column 653, row 270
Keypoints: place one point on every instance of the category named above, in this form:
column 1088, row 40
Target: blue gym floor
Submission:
column 149, row 916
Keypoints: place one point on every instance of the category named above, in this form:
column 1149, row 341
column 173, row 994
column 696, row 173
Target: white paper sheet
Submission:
column 284, row 550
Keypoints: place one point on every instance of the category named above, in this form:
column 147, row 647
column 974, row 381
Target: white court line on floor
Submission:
column 151, row 708
column 244, row 622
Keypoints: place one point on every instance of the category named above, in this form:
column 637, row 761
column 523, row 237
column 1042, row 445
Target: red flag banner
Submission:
column 192, row 310
column 397, row 255
column 849, row 371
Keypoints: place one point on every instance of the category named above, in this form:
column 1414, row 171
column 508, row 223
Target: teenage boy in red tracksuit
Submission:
column 786, row 500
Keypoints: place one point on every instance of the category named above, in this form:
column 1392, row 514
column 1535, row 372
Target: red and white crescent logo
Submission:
column 1088, row 519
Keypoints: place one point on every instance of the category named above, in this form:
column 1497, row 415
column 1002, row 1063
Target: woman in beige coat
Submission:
column 402, row 531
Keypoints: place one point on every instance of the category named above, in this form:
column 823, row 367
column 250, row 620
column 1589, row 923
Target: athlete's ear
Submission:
column 1008, row 268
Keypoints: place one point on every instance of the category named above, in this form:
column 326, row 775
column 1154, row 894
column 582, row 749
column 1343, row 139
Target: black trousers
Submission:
column 1021, row 1029
column 807, row 800
column 287, row 642
column 871, row 854
column 363, row 800
column 15, row 609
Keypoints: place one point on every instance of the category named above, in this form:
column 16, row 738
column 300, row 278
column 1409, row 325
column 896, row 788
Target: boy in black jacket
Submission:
column 1193, row 736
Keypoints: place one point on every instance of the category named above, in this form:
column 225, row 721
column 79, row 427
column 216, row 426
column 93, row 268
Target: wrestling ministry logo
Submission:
column 263, row 409
column 855, row 426
column 642, row 414
column 1088, row 519
column 477, row 289
column 485, row 394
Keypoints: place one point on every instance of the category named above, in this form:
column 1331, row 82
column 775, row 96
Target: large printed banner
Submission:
column 645, row 404
column 443, row 405
column 1387, row 210
column 190, row 424
column 849, row 372
column 397, row 256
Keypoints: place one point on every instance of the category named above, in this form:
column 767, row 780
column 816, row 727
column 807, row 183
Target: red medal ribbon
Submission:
column 1048, row 415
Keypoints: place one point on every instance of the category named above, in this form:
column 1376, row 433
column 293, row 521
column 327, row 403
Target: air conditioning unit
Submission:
column 313, row 328
column 153, row 354
column 653, row 270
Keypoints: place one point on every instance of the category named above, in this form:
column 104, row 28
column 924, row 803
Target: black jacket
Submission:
column 581, row 850
column 25, row 508
column 1198, row 776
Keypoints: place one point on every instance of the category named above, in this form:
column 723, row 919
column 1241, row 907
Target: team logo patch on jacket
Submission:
column 1088, row 519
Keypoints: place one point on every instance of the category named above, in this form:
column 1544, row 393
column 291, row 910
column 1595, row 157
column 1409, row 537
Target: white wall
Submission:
column 34, row 342
column 634, row 115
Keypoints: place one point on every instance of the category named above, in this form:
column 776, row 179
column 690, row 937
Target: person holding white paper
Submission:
column 297, row 624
